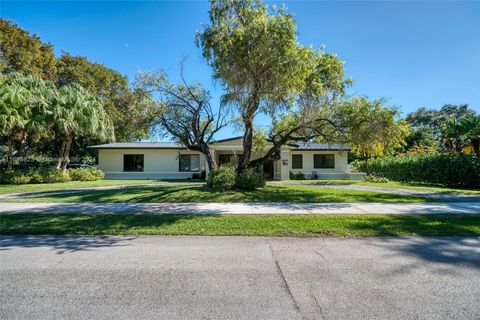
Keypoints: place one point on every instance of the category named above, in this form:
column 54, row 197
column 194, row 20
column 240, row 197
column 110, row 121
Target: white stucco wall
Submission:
column 341, row 161
column 158, row 163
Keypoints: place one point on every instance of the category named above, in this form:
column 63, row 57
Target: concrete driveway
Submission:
column 55, row 277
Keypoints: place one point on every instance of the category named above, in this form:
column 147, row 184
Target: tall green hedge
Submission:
column 444, row 169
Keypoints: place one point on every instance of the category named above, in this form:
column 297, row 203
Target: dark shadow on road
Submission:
column 456, row 251
column 63, row 244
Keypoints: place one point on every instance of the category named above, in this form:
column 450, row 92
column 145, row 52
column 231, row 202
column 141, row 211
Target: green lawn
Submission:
column 199, row 193
column 390, row 184
column 12, row 188
column 242, row 225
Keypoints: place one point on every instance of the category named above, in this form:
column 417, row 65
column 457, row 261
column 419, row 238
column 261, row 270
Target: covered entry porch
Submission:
column 271, row 169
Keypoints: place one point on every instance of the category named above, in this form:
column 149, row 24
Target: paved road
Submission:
column 171, row 278
column 244, row 208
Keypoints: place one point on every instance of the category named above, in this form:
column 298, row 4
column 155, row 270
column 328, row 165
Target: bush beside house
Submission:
column 225, row 178
column 251, row 179
column 49, row 176
column 444, row 169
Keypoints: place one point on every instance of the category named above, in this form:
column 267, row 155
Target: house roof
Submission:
column 138, row 145
column 320, row 146
column 173, row 145
column 227, row 139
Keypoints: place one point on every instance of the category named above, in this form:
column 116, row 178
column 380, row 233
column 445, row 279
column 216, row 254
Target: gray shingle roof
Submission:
column 174, row 145
column 320, row 146
column 138, row 145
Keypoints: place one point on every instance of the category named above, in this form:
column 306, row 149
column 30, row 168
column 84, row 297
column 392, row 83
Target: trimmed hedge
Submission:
column 49, row 176
column 84, row 174
column 444, row 169
column 223, row 178
column 251, row 179
column 297, row 176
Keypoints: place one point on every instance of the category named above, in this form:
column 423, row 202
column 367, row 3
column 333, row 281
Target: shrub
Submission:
column 297, row 176
column 251, row 179
column 376, row 179
column 14, row 177
column 223, row 178
column 84, row 174
column 444, row 169
column 51, row 176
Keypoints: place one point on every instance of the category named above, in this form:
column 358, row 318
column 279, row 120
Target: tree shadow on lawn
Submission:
column 204, row 194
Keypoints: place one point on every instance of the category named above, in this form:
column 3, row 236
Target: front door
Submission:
column 268, row 170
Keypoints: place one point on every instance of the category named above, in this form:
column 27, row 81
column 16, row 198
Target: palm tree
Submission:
column 38, row 122
column 471, row 127
column 452, row 135
column 13, row 112
column 78, row 113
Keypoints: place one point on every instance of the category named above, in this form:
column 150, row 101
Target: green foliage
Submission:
column 427, row 124
column 85, row 174
column 251, row 179
column 471, row 130
column 375, row 179
column 78, row 113
column 14, row 177
column 443, row 169
column 130, row 113
column 222, row 178
column 373, row 128
column 297, row 176
column 49, row 176
column 24, row 53
column 33, row 176
column 254, row 51
column 26, row 104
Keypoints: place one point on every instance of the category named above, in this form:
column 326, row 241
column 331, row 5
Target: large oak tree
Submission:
column 24, row 53
column 254, row 53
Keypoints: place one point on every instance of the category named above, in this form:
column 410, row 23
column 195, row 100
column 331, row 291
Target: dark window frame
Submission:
column 141, row 156
column 222, row 156
column 301, row 161
column 180, row 169
column 324, row 164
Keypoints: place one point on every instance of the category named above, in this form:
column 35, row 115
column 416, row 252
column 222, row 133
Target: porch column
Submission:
column 285, row 165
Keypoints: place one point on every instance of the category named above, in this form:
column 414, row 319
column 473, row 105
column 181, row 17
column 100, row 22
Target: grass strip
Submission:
column 199, row 193
column 242, row 225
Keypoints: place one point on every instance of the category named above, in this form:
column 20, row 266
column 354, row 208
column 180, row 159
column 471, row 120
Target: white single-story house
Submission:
column 168, row 160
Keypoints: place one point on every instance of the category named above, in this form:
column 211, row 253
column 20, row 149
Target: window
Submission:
column 323, row 161
column 133, row 162
column 225, row 159
column 189, row 162
column 297, row 161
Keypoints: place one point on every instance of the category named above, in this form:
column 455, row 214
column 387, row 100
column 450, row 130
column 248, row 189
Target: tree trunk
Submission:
column 366, row 164
column 212, row 164
column 10, row 153
column 61, row 153
column 21, row 151
column 244, row 159
column 476, row 146
column 66, row 155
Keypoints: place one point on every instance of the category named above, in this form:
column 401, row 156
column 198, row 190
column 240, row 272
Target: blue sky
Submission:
column 414, row 53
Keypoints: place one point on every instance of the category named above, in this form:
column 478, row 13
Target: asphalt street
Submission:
column 59, row 277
